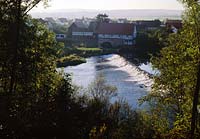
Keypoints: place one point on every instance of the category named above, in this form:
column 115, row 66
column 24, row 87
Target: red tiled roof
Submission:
column 173, row 21
column 115, row 28
column 176, row 23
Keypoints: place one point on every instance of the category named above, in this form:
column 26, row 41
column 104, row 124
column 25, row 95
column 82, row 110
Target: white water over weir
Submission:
column 132, row 83
column 135, row 74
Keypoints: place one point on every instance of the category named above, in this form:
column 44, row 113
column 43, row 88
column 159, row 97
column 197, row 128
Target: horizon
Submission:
column 107, row 5
column 132, row 14
column 78, row 10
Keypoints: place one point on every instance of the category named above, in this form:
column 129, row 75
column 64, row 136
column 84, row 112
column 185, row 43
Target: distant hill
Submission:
column 130, row 14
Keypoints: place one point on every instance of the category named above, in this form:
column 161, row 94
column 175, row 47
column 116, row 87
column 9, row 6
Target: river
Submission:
column 131, row 81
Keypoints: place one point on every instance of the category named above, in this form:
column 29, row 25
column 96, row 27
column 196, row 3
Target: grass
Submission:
column 83, row 51
column 76, row 55
column 70, row 60
column 88, row 49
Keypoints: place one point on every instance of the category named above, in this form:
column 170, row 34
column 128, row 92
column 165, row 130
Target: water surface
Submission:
column 131, row 82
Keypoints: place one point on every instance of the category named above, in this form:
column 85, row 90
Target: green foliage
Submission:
column 29, row 80
column 98, row 133
column 153, row 39
column 100, row 91
column 59, row 29
column 117, row 120
column 174, row 85
column 148, row 43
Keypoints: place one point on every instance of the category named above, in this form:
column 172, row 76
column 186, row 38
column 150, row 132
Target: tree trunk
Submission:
column 195, row 103
column 197, row 88
column 16, row 45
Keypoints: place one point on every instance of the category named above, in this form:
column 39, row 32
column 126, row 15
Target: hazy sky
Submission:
column 111, row 4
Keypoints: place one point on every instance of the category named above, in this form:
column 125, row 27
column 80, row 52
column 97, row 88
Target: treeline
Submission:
column 149, row 43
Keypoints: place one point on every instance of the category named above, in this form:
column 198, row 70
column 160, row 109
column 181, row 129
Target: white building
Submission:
column 116, row 34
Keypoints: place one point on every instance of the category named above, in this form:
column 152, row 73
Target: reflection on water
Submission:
column 131, row 82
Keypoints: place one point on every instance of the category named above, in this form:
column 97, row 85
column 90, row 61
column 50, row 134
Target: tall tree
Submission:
column 195, row 13
column 28, row 76
column 176, row 89
column 12, row 13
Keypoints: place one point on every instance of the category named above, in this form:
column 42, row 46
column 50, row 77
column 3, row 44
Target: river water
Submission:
column 131, row 81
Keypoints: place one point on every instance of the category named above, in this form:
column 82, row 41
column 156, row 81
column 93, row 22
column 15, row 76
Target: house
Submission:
column 79, row 30
column 148, row 24
column 116, row 34
column 102, row 34
column 80, row 33
column 173, row 25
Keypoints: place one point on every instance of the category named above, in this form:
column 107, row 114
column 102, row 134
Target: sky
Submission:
column 110, row 4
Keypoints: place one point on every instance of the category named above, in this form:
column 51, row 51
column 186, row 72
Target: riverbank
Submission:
column 73, row 56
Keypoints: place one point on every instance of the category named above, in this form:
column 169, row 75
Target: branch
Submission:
column 32, row 6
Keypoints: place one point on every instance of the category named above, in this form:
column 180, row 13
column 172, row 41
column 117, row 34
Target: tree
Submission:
column 193, row 20
column 193, row 11
column 12, row 13
column 149, row 43
column 28, row 71
column 100, row 90
column 173, row 92
column 102, row 18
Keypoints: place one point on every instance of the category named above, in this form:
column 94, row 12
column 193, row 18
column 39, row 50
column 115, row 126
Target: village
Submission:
column 86, row 37
column 105, row 32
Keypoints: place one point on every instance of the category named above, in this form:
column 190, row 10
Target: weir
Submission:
column 136, row 74
column 132, row 83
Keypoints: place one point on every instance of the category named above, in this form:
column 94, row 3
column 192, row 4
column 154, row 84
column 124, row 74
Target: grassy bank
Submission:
column 70, row 60
column 72, row 56
column 88, row 52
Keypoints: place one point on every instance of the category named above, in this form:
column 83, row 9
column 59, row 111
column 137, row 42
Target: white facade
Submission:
column 82, row 33
column 115, row 36
column 118, row 39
